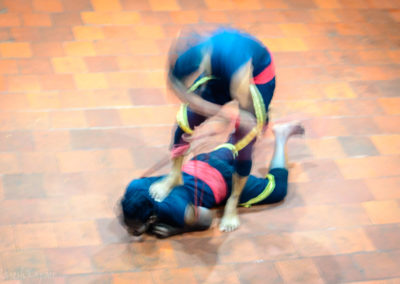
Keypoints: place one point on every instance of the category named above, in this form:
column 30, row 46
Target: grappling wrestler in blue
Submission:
column 206, row 73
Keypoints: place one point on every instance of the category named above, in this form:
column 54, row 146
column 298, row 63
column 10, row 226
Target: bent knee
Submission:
column 281, row 184
column 280, row 191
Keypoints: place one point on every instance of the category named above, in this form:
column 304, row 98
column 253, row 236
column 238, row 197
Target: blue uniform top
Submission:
column 230, row 49
column 195, row 191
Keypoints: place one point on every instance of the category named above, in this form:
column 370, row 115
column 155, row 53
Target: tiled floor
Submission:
column 84, row 108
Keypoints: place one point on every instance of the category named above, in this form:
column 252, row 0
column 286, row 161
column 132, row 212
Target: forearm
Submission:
column 196, row 103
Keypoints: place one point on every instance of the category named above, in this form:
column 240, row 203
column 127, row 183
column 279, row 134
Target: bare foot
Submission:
column 230, row 220
column 229, row 223
column 286, row 130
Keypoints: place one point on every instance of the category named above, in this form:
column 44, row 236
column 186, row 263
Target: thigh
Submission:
column 244, row 142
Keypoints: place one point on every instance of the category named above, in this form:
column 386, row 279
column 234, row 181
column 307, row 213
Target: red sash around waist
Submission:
column 211, row 176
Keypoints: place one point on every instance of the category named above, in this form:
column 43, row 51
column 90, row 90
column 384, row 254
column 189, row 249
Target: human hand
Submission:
column 160, row 189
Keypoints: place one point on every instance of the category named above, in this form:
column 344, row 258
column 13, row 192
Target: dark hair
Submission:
column 189, row 61
column 186, row 52
column 136, row 205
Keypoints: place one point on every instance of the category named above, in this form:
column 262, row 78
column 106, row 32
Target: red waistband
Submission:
column 211, row 176
column 266, row 75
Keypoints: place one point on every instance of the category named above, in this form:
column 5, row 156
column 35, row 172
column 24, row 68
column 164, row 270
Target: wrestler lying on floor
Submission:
column 207, row 181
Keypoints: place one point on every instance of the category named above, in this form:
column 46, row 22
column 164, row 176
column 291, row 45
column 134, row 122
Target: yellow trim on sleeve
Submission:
column 264, row 194
column 200, row 82
column 182, row 119
column 230, row 147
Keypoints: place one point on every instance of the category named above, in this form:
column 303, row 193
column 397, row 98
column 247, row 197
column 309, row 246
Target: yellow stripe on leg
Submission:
column 264, row 194
column 247, row 139
column 261, row 115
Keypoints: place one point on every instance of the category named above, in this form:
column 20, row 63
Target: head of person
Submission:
column 186, row 55
column 138, row 211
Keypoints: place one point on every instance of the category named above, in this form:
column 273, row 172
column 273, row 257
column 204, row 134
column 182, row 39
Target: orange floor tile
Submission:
column 84, row 108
